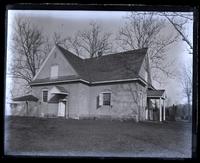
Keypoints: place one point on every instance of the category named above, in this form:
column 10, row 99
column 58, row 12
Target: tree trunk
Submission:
column 26, row 108
column 189, row 115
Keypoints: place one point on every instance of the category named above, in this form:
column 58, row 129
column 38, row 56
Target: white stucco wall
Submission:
column 125, row 103
column 82, row 100
column 73, row 104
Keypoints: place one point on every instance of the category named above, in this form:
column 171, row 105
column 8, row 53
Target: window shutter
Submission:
column 97, row 101
column 101, row 99
column 111, row 102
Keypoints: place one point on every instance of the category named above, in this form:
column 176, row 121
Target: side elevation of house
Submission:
column 112, row 86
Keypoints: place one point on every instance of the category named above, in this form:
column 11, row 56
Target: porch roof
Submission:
column 55, row 98
column 58, row 90
column 61, row 89
column 26, row 98
column 155, row 94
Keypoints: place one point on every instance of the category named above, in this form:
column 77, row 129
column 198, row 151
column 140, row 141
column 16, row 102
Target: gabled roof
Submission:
column 26, row 98
column 56, row 98
column 61, row 89
column 111, row 67
column 124, row 65
column 76, row 62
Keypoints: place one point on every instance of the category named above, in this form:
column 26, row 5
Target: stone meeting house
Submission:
column 115, row 86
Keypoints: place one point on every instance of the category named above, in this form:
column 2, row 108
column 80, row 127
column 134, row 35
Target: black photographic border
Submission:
column 105, row 7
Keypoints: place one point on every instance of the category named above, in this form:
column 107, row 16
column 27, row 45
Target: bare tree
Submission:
column 92, row 42
column 28, row 49
column 179, row 21
column 88, row 43
column 70, row 43
column 137, row 98
column 75, row 44
column 143, row 30
column 185, row 79
column 58, row 39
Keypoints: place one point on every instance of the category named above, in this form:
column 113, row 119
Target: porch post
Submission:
column 164, row 109
column 160, row 108
column 146, row 116
column 147, row 109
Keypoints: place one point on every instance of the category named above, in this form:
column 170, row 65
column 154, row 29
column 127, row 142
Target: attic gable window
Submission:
column 54, row 71
column 104, row 99
column 55, row 55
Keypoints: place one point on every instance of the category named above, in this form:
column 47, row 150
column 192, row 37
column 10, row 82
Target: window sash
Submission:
column 106, row 98
column 44, row 96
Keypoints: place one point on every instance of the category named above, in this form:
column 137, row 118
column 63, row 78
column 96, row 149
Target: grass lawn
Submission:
column 37, row 136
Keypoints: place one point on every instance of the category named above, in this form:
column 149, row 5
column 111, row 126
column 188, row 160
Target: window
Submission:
column 44, row 96
column 104, row 99
column 54, row 71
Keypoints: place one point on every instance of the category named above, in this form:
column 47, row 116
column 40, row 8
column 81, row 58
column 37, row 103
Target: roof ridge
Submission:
column 118, row 53
column 68, row 52
column 128, row 51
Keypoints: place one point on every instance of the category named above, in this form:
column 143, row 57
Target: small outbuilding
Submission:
column 24, row 106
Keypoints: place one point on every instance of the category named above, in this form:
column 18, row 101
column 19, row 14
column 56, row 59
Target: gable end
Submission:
column 65, row 67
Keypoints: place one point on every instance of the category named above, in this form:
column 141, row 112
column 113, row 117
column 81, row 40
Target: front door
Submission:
column 62, row 108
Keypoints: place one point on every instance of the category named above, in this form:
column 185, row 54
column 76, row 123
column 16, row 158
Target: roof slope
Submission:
column 119, row 66
column 76, row 62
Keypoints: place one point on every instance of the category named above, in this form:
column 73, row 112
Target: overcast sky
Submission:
column 69, row 22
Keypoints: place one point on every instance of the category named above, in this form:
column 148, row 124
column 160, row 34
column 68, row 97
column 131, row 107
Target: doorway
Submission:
column 63, row 109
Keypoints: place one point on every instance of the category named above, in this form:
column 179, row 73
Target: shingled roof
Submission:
column 118, row 66
column 76, row 62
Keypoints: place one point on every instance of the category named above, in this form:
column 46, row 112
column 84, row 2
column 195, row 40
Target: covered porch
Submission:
column 154, row 97
column 58, row 97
